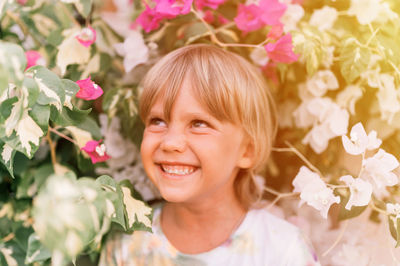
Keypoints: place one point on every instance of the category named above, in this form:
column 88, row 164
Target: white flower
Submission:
column 360, row 191
column 324, row 18
column 388, row 97
column 348, row 97
column 303, row 178
column 292, row 15
column 333, row 122
column 378, row 169
column 134, row 50
column 393, row 209
column 259, row 56
column 366, row 11
column 322, row 81
column 314, row 191
column 359, row 141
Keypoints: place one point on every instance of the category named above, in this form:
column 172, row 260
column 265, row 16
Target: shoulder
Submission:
column 284, row 240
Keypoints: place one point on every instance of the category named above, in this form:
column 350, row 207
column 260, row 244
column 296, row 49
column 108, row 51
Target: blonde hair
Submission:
column 230, row 88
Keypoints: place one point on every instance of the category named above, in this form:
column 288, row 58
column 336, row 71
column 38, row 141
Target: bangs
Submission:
column 207, row 76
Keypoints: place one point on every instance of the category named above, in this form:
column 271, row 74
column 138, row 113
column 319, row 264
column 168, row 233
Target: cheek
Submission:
column 147, row 149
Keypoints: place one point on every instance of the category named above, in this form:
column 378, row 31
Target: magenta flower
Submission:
column 87, row 36
column 214, row 4
column 249, row 18
column 208, row 16
column 96, row 151
column 275, row 32
column 88, row 90
column 172, row 8
column 222, row 20
column 272, row 11
column 282, row 50
column 149, row 19
column 34, row 58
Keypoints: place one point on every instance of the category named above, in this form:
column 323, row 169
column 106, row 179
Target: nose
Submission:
column 173, row 141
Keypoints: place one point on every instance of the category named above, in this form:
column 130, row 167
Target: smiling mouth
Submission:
column 179, row 170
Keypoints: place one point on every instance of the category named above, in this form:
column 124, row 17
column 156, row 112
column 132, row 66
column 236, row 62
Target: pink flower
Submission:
column 88, row 89
column 149, row 19
column 222, row 20
column 249, row 18
column 173, row 8
column 272, row 11
column 22, row 2
column 87, row 36
column 214, row 4
column 282, row 50
column 275, row 32
column 96, row 151
column 208, row 16
column 34, row 58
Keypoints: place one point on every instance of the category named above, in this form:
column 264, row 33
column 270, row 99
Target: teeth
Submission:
column 178, row 170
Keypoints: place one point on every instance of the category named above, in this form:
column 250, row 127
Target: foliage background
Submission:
column 347, row 72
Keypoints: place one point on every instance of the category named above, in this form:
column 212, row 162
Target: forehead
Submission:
column 185, row 101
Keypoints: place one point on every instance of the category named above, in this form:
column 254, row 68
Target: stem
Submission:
column 375, row 208
column 52, row 148
column 298, row 153
column 374, row 32
column 62, row 135
column 279, row 194
column 337, row 239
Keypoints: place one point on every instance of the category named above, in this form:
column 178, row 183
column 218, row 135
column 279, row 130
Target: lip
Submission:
column 176, row 163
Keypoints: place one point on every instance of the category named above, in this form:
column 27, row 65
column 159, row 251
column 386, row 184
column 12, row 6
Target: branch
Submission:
column 52, row 148
column 300, row 155
column 62, row 135
column 337, row 239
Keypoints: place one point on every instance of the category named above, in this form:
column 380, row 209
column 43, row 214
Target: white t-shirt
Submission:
column 262, row 239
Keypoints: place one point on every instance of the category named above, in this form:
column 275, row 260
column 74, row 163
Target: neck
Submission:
column 205, row 214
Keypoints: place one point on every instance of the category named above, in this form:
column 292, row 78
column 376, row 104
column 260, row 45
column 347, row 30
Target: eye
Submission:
column 200, row 124
column 155, row 121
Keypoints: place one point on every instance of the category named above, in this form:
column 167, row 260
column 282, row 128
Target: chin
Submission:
column 173, row 196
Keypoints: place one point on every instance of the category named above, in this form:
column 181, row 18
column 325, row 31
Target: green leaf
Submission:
column 50, row 87
column 12, row 64
column 7, row 154
column 84, row 7
column 354, row 59
column 68, row 117
column 33, row 90
column 70, row 87
column 309, row 44
column 109, row 184
column 345, row 214
column 138, row 214
column 90, row 125
column 36, row 251
column 21, row 236
column 394, row 229
column 12, row 253
column 41, row 115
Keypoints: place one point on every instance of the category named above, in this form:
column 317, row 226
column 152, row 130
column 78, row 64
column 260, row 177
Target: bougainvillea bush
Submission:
column 70, row 75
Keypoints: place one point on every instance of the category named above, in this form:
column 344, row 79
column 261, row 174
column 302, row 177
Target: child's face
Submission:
column 194, row 156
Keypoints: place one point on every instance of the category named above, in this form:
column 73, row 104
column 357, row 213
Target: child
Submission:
column 209, row 127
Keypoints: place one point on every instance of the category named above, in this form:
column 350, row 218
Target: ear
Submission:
column 247, row 155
